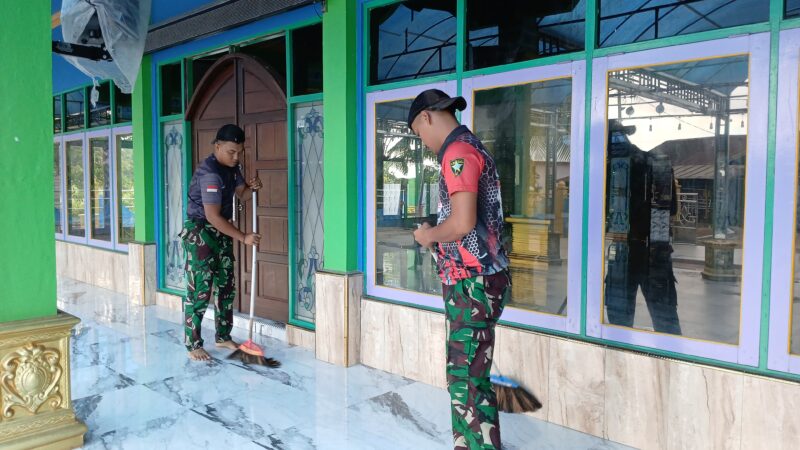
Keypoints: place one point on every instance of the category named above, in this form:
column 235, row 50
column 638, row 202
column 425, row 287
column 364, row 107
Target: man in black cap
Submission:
column 471, row 260
column 208, row 240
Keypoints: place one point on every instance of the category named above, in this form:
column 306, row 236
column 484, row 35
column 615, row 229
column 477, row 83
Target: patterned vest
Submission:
column 481, row 251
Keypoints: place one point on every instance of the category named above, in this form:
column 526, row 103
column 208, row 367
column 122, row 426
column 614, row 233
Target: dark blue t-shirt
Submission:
column 213, row 184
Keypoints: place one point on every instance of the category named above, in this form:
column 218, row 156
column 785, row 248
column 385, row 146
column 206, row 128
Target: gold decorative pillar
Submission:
column 35, row 403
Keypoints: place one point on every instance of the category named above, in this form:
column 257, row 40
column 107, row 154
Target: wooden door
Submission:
column 239, row 89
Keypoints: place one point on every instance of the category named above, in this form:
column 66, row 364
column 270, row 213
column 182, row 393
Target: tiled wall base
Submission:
column 95, row 266
column 338, row 317
column 301, row 337
column 630, row 398
column 142, row 273
column 35, row 403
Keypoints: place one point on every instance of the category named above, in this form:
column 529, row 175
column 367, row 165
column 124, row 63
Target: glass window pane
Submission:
column 675, row 188
column 126, row 222
column 75, row 111
column 534, row 30
column 412, row 39
column 309, row 206
column 626, row 21
column 57, row 185
column 76, row 214
column 171, row 100
column 792, row 8
column 100, row 112
column 57, row 116
column 200, row 66
column 407, row 193
column 271, row 52
column 100, row 193
column 527, row 130
column 175, row 258
column 307, row 60
column 122, row 102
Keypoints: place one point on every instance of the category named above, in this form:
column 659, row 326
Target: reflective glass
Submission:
column 122, row 104
column 271, row 53
column 200, row 66
column 412, row 39
column 175, row 258
column 57, row 185
column 792, row 8
column 307, row 59
column 407, row 193
column 57, row 115
column 626, row 21
column 76, row 215
column 674, row 199
column 171, row 86
column 309, row 207
column 527, row 130
column 75, row 110
column 126, row 217
column 100, row 193
column 534, row 30
column 100, row 112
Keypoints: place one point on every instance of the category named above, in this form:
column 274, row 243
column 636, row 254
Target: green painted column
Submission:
column 144, row 171
column 27, row 229
column 341, row 148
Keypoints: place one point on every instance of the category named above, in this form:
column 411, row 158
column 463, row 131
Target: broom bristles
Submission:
column 248, row 358
column 515, row 400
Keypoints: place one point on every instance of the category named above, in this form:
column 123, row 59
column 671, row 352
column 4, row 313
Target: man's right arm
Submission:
column 214, row 217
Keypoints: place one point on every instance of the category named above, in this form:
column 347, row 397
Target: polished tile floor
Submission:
column 135, row 389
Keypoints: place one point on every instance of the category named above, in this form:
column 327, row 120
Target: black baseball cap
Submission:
column 230, row 133
column 434, row 100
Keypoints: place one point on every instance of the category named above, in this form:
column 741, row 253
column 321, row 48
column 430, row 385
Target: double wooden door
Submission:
column 241, row 90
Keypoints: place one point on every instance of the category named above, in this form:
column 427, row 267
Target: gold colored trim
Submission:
column 794, row 227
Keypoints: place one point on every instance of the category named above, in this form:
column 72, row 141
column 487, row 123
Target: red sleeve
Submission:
column 462, row 166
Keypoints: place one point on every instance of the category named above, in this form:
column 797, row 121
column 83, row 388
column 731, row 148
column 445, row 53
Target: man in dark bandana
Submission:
column 208, row 240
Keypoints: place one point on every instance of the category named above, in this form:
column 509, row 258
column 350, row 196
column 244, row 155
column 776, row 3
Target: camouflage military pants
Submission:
column 209, row 264
column 472, row 308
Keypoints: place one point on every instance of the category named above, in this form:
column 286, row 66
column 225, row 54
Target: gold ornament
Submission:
column 29, row 378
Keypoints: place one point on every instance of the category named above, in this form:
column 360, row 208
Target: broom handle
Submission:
column 253, row 267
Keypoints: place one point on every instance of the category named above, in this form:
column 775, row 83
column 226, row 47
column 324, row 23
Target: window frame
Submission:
column 576, row 72
column 746, row 352
column 89, row 136
column 58, row 139
column 372, row 288
column 67, row 138
column 84, row 137
column 116, row 187
column 784, row 221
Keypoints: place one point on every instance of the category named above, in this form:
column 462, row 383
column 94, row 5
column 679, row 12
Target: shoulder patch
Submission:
column 457, row 166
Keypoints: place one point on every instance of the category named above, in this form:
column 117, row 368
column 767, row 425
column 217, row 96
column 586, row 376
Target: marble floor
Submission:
column 135, row 389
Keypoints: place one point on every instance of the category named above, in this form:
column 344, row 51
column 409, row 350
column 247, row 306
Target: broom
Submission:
column 249, row 352
column 511, row 397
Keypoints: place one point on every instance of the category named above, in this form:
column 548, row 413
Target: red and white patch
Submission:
column 212, row 189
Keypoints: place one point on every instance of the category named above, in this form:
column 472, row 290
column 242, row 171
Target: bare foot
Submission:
column 228, row 344
column 199, row 355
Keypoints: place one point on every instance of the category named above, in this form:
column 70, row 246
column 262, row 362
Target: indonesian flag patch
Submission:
column 457, row 165
column 212, row 188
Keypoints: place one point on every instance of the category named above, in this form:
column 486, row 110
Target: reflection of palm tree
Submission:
column 400, row 151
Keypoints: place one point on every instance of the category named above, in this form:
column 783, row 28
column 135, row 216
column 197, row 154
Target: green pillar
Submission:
column 27, row 242
column 144, row 188
column 341, row 148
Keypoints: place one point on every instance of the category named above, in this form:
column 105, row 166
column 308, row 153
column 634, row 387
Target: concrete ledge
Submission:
column 91, row 265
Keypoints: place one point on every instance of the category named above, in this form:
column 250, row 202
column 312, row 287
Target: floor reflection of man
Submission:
column 641, row 200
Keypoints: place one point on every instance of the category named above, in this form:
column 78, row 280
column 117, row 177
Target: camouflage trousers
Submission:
column 209, row 264
column 472, row 308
